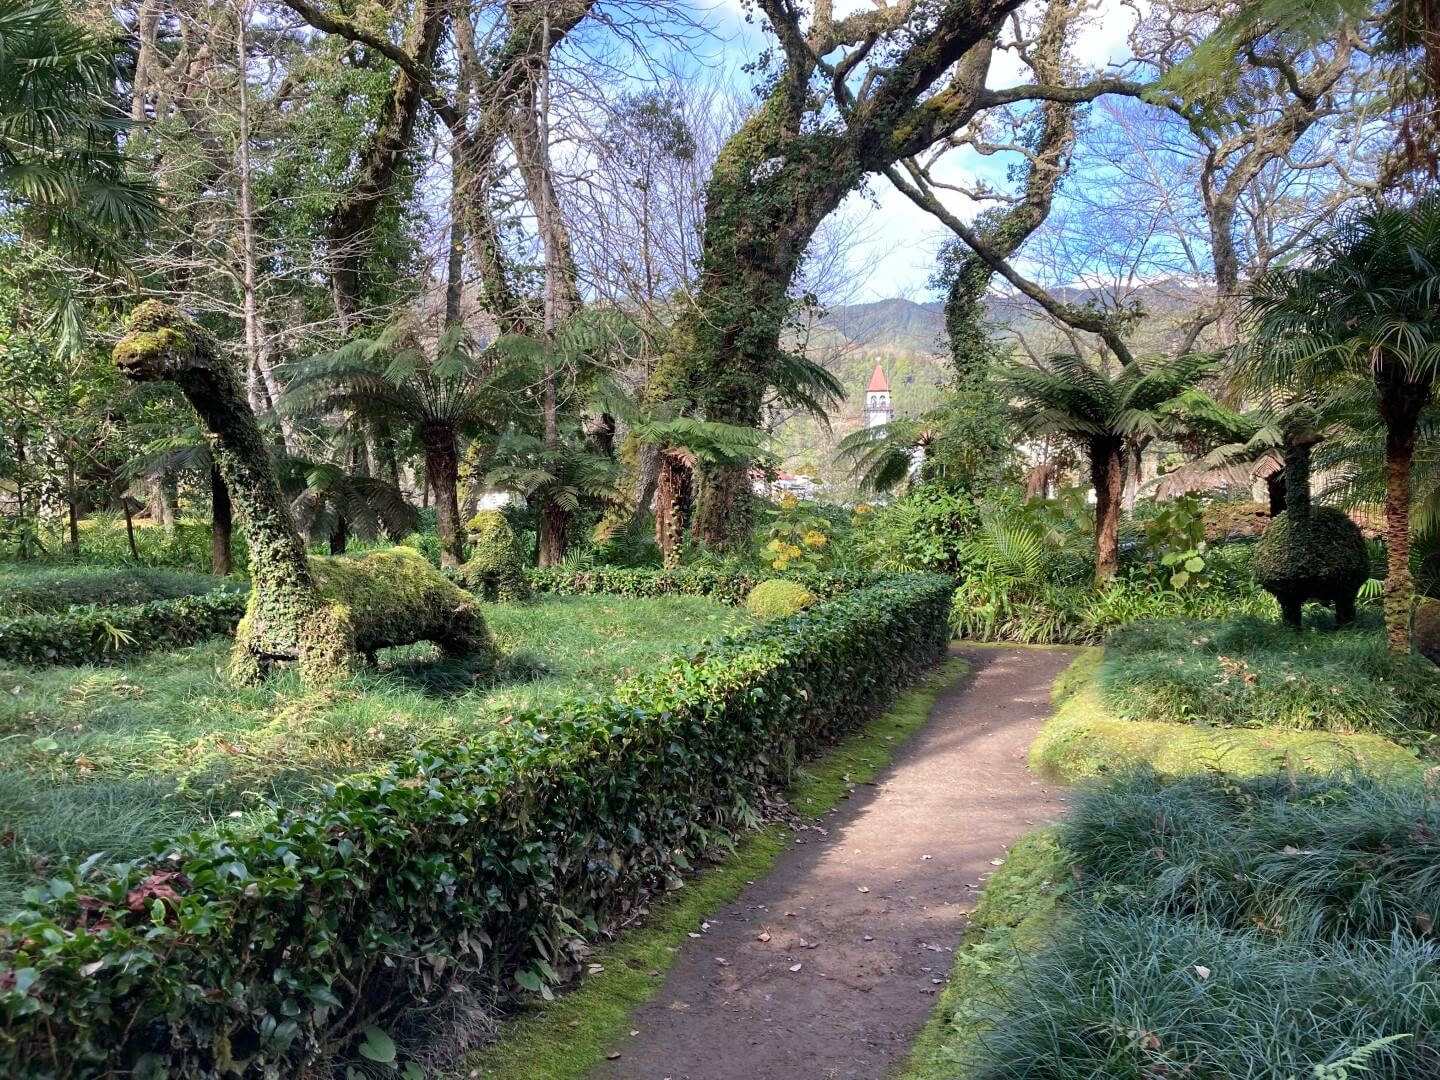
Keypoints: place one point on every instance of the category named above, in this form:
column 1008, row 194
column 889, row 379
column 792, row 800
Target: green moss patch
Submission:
column 1086, row 738
column 568, row 1036
column 1016, row 916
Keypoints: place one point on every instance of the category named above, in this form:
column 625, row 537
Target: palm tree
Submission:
column 1365, row 306
column 1231, row 448
column 1100, row 411
column 556, row 475
column 61, row 155
column 329, row 503
column 392, row 380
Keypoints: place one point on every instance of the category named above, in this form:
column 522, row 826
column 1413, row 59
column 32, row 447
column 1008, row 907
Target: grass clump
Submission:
column 1245, row 672
column 567, row 1037
column 1087, row 738
column 1272, row 927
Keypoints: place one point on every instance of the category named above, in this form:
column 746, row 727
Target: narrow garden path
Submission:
column 828, row 967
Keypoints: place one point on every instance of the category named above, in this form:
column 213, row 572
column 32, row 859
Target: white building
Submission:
column 878, row 409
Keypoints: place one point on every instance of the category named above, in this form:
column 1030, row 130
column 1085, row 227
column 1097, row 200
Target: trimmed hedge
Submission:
column 90, row 635
column 724, row 586
column 270, row 949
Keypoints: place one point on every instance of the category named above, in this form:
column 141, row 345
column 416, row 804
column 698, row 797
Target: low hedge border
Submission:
column 1084, row 740
column 482, row 866
column 724, row 586
column 89, row 635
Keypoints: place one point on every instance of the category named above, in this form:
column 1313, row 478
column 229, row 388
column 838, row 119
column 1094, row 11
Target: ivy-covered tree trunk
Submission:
column 759, row 218
column 1106, row 473
column 442, row 466
column 221, row 525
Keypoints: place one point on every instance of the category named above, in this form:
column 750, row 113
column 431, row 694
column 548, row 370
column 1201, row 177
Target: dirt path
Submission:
column 868, row 907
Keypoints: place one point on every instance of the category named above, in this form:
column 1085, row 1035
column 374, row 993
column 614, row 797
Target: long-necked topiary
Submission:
column 1310, row 553
column 495, row 570
column 326, row 614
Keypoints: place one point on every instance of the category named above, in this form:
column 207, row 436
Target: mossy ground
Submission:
column 565, row 1038
column 1086, row 738
column 116, row 757
column 1015, row 917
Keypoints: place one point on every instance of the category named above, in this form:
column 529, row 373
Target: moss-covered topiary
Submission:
column 383, row 599
column 323, row 613
column 495, row 570
column 776, row 597
column 1310, row 553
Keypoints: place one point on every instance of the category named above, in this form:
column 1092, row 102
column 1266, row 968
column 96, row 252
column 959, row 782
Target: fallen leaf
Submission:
column 863, row 888
column 763, row 936
column 613, row 1055
column 1202, row 971
column 796, row 967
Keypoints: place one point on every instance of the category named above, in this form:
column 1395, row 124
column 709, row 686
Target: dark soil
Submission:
column 829, row 966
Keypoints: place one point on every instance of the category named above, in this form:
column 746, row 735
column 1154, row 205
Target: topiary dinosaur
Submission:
column 1310, row 553
column 496, row 568
column 325, row 613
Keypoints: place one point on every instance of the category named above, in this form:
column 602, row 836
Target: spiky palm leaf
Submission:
column 61, row 133
column 882, row 457
column 1079, row 399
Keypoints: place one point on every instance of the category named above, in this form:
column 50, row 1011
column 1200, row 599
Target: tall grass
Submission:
column 1270, row 928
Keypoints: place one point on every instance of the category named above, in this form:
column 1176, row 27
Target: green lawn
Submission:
column 114, row 758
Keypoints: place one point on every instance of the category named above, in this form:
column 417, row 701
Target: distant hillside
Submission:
column 908, row 340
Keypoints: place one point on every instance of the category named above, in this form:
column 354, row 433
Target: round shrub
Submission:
column 1323, row 558
column 495, row 570
column 775, row 598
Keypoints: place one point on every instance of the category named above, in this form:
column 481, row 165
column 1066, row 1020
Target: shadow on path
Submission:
column 869, row 905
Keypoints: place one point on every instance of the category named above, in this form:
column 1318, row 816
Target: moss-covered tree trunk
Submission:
column 442, row 466
column 1106, row 473
column 222, row 525
column 771, row 188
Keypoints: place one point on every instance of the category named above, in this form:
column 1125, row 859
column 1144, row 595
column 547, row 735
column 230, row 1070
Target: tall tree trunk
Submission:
column 1399, row 592
column 222, row 525
column 257, row 346
column 442, row 466
column 1402, row 400
column 71, row 514
column 340, row 535
column 554, row 520
column 1134, row 466
column 1105, row 473
column 672, row 505
column 129, row 528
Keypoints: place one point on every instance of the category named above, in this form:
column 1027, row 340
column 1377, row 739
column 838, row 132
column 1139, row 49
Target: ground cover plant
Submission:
column 114, row 758
column 485, row 860
column 1086, row 738
column 1272, row 927
column 1245, row 672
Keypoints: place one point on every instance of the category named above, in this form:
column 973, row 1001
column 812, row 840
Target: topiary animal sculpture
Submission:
column 326, row 614
column 1310, row 553
column 495, row 570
